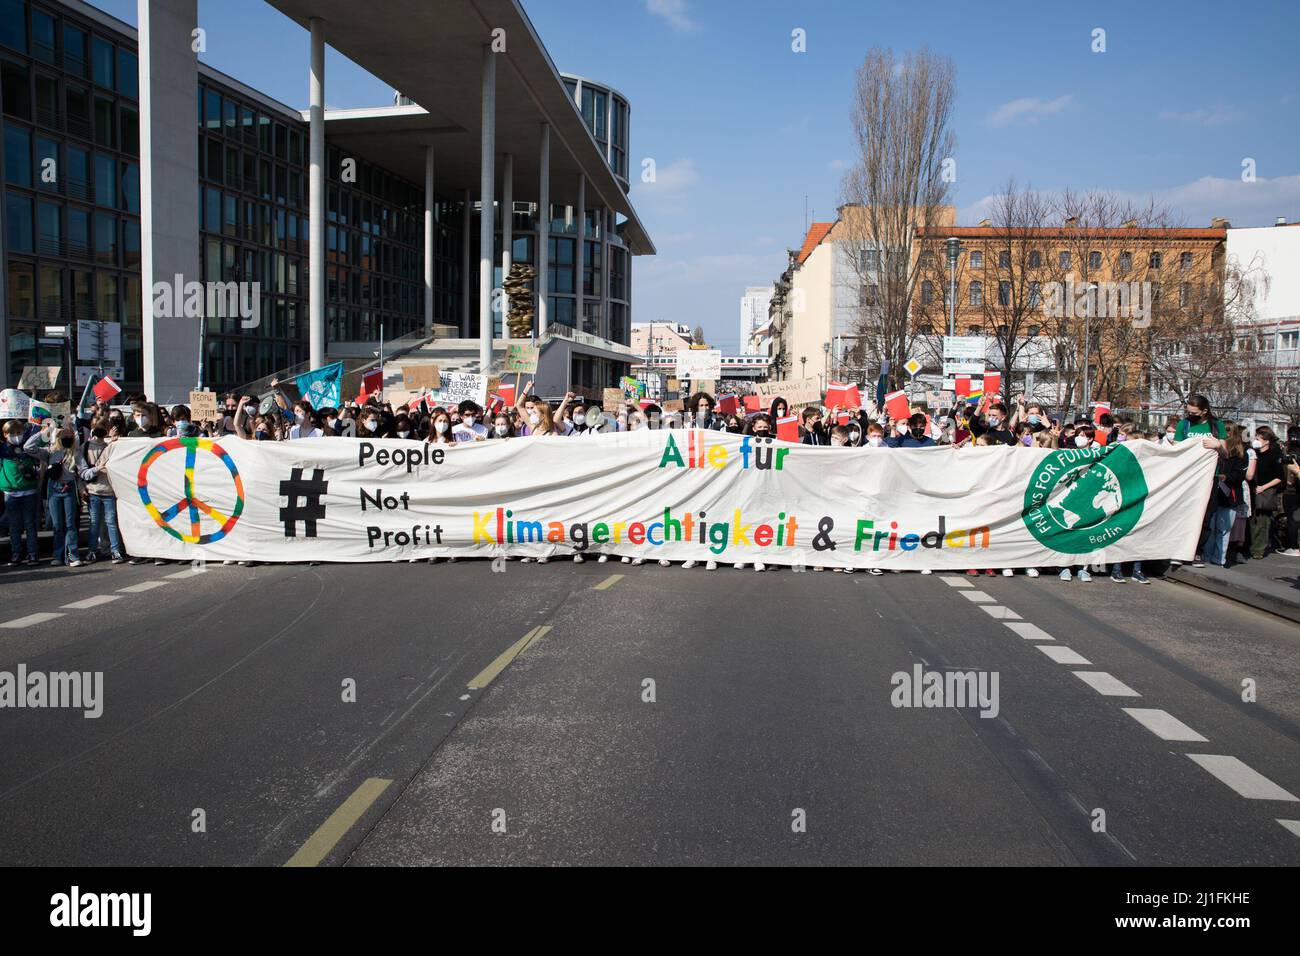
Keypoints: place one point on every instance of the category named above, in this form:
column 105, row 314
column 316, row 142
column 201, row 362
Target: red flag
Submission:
column 897, row 406
column 106, row 388
column 962, row 385
column 753, row 403
column 845, row 396
column 787, row 429
column 506, row 393
column 372, row 381
column 1099, row 409
column 992, row 383
column 727, row 405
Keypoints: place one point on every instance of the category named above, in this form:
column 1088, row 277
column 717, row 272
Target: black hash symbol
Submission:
column 310, row 490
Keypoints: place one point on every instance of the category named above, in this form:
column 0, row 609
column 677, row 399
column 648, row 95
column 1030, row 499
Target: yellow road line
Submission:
column 489, row 673
column 608, row 583
column 320, row 843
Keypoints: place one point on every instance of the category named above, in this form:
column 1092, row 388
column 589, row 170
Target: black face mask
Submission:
column 918, row 433
column 1194, row 417
column 761, row 433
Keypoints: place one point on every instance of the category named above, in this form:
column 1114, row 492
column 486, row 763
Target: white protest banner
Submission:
column 797, row 391
column 699, row 364
column 460, row 387
column 15, row 404
column 676, row 494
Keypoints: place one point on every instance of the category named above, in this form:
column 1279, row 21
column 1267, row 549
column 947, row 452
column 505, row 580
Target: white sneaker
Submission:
column 687, row 565
column 740, row 565
column 1065, row 574
column 602, row 559
column 848, row 570
column 74, row 563
column 578, row 559
column 926, row 571
column 1007, row 573
column 760, row 566
column 1031, row 572
column 664, row 563
column 626, row 559
column 1290, row 553
column 874, row 571
column 711, row 566
column 1084, row 575
column 636, row 561
column 543, row 560
column 527, row 560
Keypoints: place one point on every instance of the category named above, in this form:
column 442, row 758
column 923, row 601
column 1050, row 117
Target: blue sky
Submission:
column 742, row 128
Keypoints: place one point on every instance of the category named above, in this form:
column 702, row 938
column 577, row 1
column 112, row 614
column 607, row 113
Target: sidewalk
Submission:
column 1271, row 584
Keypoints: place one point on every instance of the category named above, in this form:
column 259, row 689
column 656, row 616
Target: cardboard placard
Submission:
column 522, row 358
column 203, row 406
column 676, row 405
column 612, row 400
column 416, row 377
column 36, row 378
column 797, row 391
column 458, row 387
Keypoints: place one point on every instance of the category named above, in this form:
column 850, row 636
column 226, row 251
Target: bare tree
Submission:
column 898, row 182
column 698, row 336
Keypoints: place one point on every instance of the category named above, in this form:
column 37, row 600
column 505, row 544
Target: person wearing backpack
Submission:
column 1225, row 495
column 19, row 480
column 1200, row 421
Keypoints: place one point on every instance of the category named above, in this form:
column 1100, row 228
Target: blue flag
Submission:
column 322, row 386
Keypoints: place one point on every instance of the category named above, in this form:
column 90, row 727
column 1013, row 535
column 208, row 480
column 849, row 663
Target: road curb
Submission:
column 1262, row 594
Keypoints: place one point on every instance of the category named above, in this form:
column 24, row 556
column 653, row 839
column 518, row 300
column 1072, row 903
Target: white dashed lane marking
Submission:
column 979, row 597
column 1030, row 632
column 32, row 619
column 1062, row 655
column 187, row 573
column 142, row 587
column 88, row 603
column 1163, row 724
column 1292, row 825
column 999, row 613
column 1249, row 783
column 956, row 582
column 1105, row 684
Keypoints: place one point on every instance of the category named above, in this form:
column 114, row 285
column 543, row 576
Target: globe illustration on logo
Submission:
column 194, row 509
column 1082, row 501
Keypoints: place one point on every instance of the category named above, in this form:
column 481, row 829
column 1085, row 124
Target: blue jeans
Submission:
column 63, row 519
column 24, row 513
column 1217, row 530
column 103, row 516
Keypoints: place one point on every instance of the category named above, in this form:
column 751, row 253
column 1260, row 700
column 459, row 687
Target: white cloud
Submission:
column 1206, row 116
column 671, row 188
column 838, row 164
column 674, row 12
column 1028, row 109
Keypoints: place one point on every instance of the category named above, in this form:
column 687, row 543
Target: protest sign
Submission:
column 417, row 377
column 843, row 395
column 897, row 406
column 612, row 400
column 992, row 383
column 641, row 494
column 15, row 404
column 460, row 387
column 787, row 429
column 522, row 358
column 39, row 378
column 699, row 365
column 203, row 406
column 728, row 405
column 797, row 391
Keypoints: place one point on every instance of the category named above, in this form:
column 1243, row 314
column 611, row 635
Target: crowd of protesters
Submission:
column 50, row 471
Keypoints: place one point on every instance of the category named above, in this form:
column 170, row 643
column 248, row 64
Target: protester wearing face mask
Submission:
column 370, row 424
column 876, row 436
column 994, row 425
column 700, row 406
column 1270, row 479
column 914, row 436
column 440, row 428
column 811, row 428
column 470, row 427
column 501, row 427
column 92, row 463
column 57, row 449
column 307, row 422
column 1170, row 436
column 20, row 474
column 1200, row 421
column 1031, row 414
column 145, row 416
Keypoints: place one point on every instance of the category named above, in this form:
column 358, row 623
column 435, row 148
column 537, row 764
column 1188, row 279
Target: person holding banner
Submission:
column 701, row 405
column 913, row 435
column 440, row 428
column 58, row 451
column 19, row 481
column 307, row 421
column 811, row 427
column 92, row 464
column 469, row 428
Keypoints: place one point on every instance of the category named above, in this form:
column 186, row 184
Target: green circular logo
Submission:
column 1082, row 500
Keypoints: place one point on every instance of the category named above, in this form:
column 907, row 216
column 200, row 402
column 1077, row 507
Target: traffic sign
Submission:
column 912, row 366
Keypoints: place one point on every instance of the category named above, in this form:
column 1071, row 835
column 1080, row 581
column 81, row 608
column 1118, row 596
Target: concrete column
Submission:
column 466, row 220
column 507, row 222
column 487, row 186
column 169, row 175
column 604, row 272
column 580, row 253
column 428, row 240
column 316, row 187
column 543, row 231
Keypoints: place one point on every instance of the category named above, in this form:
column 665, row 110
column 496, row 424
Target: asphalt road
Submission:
column 507, row 718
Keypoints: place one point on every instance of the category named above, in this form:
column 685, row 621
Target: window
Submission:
column 51, row 292
column 1004, row 259
column 102, row 62
column 78, row 233
column 18, row 156
column 105, row 180
column 13, row 25
column 105, row 123
column 974, row 330
column 1034, row 330
column 1094, row 260
column 49, row 229
column 1064, row 260
column 131, row 244
column 47, row 101
column 976, row 259
column 15, row 90
column 43, row 42
column 1125, row 261
column 75, row 54
column 212, row 110
column 128, row 74
column 1185, row 261
column 106, row 298
column 976, row 293
column 130, row 132
column 105, row 239
column 1035, row 298
column 1289, row 340
column 1155, row 260
column 927, row 292
column 1035, row 259
column 76, row 102
column 868, row 295
column 869, row 260
column 1184, row 293
column 18, row 222
column 1004, row 293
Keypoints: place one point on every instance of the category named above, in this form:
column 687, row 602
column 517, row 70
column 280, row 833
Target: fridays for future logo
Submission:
column 1080, row 500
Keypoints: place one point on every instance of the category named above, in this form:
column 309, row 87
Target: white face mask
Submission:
column 440, row 427
column 332, row 422
column 579, row 419
column 902, row 428
column 636, row 423
column 301, row 415
column 468, row 420
column 372, row 425
column 994, row 421
column 15, row 439
column 535, row 419
column 836, row 441
column 502, row 430
column 1081, row 440
column 139, row 421
column 1256, row 443
column 403, row 434
column 875, row 441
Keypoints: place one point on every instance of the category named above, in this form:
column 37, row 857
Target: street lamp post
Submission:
column 953, row 245
column 1087, row 341
column 826, row 364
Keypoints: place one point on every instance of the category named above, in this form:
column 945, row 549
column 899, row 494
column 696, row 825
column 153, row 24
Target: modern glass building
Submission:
column 70, row 108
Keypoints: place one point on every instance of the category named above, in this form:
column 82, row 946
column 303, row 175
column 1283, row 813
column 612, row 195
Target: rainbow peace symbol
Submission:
column 191, row 504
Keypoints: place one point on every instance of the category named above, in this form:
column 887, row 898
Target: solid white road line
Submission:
column 142, row 587
column 1062, row 654
column 1292, row 825
column 1163, row 724
column 88, row 603
column 32, row 619
column 187, row 573
column 1104, row 684
column 956, row 582
column 1030, row 632
column 999, row 613
column 979, row 597
column 1247, row 782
